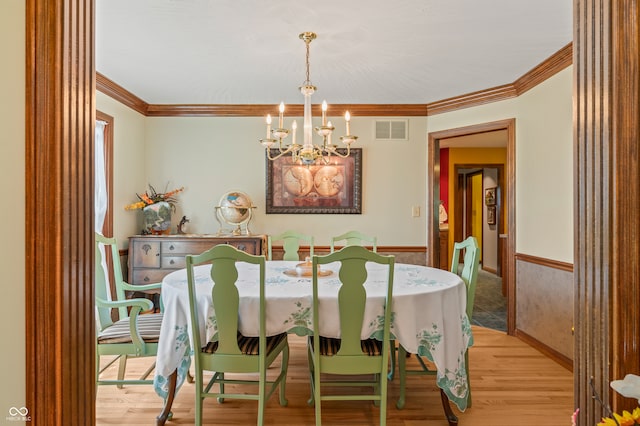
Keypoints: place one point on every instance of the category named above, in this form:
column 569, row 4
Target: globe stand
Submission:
column 221, row 231
column 234, row 209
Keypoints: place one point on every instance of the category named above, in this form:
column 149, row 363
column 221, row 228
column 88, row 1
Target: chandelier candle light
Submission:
column 308, row 153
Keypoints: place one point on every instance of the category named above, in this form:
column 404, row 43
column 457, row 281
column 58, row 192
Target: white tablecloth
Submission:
column 428, row 315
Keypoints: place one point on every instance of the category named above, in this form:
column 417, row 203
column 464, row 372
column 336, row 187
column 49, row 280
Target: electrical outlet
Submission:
column 415, row 211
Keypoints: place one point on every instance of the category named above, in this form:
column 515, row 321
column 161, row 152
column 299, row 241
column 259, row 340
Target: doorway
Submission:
column 505, row 227
column 478, row 190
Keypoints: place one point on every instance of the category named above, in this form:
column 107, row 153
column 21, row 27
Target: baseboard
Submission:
column 490, row 270
column 561, row 359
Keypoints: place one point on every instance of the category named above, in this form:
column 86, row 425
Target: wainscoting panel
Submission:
column 544, row 303
column 418, row 257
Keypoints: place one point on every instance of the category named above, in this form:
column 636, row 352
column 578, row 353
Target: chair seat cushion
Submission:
column 118, row 332
column 330, row 346
column 249, row 345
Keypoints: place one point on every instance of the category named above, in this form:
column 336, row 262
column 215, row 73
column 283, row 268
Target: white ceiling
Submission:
column 367, row 52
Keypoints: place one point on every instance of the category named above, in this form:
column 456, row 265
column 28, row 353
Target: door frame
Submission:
column 509, row 196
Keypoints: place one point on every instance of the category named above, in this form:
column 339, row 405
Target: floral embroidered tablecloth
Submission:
column 428, row 315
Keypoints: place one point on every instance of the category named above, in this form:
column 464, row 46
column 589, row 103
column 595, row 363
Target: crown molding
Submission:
column 486, row 96
column 259, row 110
column 120, row 94
column 554, row 64
column 562, row 59
column 546, row 69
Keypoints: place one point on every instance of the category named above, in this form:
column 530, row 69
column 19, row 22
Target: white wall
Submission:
column 544, row 162
column 544, row 169
column 210, row 156
column 12, row 215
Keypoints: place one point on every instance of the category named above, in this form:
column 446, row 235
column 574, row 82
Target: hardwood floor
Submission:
column 512, row 384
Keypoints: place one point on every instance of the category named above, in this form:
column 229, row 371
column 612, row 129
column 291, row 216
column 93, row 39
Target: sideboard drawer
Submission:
column 151, row 257
column 145, row 255
column 186, row 247
column 250, row 247
column 148, row 276
column 173, row 262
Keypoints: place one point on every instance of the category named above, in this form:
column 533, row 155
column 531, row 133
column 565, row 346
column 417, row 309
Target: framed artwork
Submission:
column 491, row 215
column 490, row 196
column 334, row 188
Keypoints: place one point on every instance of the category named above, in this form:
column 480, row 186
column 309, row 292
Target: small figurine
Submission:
column 182, row 224
column 442, row 213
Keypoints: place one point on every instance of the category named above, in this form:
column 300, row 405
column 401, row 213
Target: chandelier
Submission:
column 308, row 153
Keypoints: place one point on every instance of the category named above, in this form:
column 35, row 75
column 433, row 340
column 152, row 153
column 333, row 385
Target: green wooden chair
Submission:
column 355, row 238
column 348, row 356
column 133, row 334
column 290, row 243
column 229, row 351
column 469, row 274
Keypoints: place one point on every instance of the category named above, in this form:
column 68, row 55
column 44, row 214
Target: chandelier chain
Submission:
column 307, row 81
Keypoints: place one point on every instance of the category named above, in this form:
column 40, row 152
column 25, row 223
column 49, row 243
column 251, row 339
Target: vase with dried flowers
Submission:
column 157, row 208
column 628, row 387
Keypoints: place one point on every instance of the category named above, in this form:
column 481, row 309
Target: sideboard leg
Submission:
column 171, row 393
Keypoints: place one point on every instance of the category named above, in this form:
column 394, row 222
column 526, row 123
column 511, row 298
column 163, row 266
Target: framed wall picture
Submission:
column 491, row 215
column 334, row 188
column 490, row 196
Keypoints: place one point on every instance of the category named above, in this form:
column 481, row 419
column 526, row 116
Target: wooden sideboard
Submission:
column 151, row 257
column 444, row 249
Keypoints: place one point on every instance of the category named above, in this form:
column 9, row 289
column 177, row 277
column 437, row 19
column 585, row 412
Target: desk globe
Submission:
column 235, row 209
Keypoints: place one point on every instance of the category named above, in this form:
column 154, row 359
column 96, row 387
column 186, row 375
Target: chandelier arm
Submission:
column 335, row 151
column 270, row 157
column 326, row 159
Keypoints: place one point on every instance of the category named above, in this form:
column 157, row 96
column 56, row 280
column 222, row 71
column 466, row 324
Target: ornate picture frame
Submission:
column 334, row 188
column 490, row 196
column 491, row 215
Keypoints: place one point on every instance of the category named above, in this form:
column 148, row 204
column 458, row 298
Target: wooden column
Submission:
column 60, row 116
column 607, row 231
column 626, row 214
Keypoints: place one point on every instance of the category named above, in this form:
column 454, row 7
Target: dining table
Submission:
column 428, row 316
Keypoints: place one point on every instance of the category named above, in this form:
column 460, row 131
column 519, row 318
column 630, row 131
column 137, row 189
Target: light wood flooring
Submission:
column 512, row 384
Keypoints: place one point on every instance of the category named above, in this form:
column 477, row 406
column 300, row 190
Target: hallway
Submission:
column 490, row 307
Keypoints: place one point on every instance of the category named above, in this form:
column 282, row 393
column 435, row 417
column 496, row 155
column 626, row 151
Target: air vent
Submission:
column 392, row 130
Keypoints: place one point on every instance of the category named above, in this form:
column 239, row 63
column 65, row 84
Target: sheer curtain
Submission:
column 100, row 196
column 100, row 191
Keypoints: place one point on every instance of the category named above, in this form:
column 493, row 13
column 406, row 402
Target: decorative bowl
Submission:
column 305, row 268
